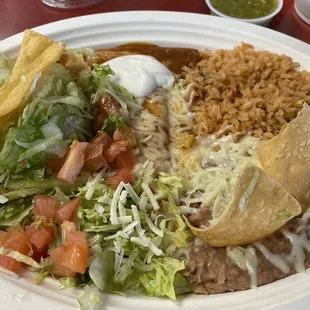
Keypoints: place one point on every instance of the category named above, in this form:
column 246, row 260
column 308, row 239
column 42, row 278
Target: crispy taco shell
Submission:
column 259, row 206
column 36, row 54
column 286, row 157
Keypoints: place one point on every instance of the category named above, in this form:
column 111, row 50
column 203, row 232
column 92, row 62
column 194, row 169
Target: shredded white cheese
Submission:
column 91, row 185
column 125, row 219
column 150, row 196
column 114, row 204
column 124, row 233
column 147, row 243
column 153, row 228
column 132, row 193
column 136, row 217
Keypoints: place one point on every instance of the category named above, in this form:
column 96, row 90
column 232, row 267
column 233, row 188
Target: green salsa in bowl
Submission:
column 254, row 11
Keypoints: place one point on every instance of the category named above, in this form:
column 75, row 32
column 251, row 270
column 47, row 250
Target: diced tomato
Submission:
column 60, row 271
column 94, row 159
column 66, row 211
column 109, row 105
column 41, row 238
column 114, row 150
column 44, row 205
column 16, row 241
column 39, row 253
column 125, row 133
column 51, row 230
column 57, row 256
column 73, row 255
column 93, row 150
column 125, row 160
column 10, row 263
column 74, row 162
column 77, row 237
column 30, row 230
column 100, row 120
column 56, row 164
column 123, row 175
column 102, row 138
column 76, row 258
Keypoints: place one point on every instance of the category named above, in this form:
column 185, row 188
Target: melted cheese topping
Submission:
column 213, row 167
column 245, row 259
column 296, row 258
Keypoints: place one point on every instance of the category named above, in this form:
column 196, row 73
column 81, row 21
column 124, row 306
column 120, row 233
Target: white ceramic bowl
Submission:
column 262, row 21
column 302, row 8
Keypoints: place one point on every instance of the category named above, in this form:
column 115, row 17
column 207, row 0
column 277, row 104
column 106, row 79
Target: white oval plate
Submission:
column 171, row 29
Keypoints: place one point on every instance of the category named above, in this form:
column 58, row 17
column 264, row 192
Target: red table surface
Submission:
column 18, row 15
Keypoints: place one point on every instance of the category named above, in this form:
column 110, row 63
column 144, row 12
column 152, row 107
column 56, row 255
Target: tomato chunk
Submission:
column 41, row 238
column 114, row 150
column 125, row 133
column 125, row 160
column 16, row 241
column 76, row 258
column 94, row 159
column 77, row 237
column 56, row 164
column 67, row 211
column 109, row 105
column 102, row 138
column 73, row 255
column 74, row 162
column 30, row 230
column 60, row 271
column 123, row 175
column 44, row 205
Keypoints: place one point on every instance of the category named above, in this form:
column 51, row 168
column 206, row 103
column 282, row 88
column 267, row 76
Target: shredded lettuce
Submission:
column 112, row 123
column 23, row 258
column 169, row 185
column 100, row 82
column 181, row 285
column 103, row 71
column 160, row 281
column 101, row 270
column 171, row 180
column 91, row 299
column 56, row 113
column 40, row 277
column 67, row 282
column 12, row 214
column 177, row 233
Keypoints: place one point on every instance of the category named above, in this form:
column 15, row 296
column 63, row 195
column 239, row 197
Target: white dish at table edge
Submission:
column 167, row 29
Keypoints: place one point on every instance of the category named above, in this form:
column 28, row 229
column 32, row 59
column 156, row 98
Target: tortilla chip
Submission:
column 36, row 54
column 259, row 206
column 286, row 157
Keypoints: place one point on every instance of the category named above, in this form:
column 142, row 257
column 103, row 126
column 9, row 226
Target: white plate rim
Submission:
column 18, row 292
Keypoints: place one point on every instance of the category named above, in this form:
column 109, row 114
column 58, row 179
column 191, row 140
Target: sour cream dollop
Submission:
column 140, row 75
